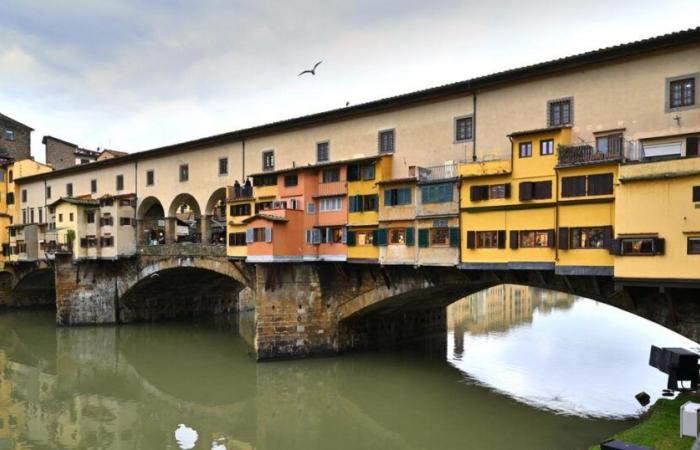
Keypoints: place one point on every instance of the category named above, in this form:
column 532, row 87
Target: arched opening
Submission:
column 151, row 222
column 179, row 293
column 36, row 289
column 214, row 230
column 184, row 223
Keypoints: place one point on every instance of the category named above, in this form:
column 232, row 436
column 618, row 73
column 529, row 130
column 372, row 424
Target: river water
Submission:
column 518, row 368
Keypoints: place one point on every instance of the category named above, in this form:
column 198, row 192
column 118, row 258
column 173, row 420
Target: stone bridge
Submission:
column 304, row 309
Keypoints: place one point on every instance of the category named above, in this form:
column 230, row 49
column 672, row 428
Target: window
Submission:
column 240, row 210
column 360, row 203
column 265, row 180
column 106, row 221
column 48, row 191
column 610, row 144
column 24, row 196
column 70, row 217
column 694, row 245
column 334, row 235
column 368, row 172
column 696, row 193
column 533, row 239
column 487, row 239
column 637, row 246
column 364, row 238
column 31, row 215
column 60, row 218
column 322, row 152
column 236, row 239
column 291, row 180
column 90, row 216
column 120, row 182
column 573, row 186
column 10, row 196
column 386, row 141
column 126, row 221
column 150, row 177
column 261, row 206
column 107, row 241
column 547, row 147
column 356, row 172
column 311, row 208
column 601, row 184
column 69, row 189
column 331, row 204
column 84, row 160
column 538, row 190
column 184, row 172
column 464, row 129
column 9, row 135
column 439, row 237
column 24, row 215
column 525, row 149
column 260, row 234
column 223, row 166
column 41, row 214
column 93, row 186
column 436, row 193
column 397, row 236
column 499, row 191
column 10, row 178
column 582, row 238
column 331, row 175
column 560, row 112
column 397, row 197
column 682, row 92
column 268, row 160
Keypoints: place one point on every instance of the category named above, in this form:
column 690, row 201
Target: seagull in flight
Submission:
column 312, row 71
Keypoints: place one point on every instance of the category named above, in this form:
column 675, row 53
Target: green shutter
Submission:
column 382, row 237
column 350, row 238
column 410, row 236
column 423, row 235
column 375, row 237
column 454, row 237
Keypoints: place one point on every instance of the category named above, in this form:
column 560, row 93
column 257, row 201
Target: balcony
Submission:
column 437, row 173
column 589, row 153
column 332, row 189
column 487, row 165
column 239, row 192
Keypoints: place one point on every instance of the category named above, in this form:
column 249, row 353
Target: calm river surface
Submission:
column 519, row 368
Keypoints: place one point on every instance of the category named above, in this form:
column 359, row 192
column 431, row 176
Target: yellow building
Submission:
column 241, row 204
column 363, row 201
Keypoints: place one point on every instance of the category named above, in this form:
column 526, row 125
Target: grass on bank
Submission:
column 660, row 428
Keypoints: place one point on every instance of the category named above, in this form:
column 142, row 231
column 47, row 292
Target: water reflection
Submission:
column 514, row 356
column 556, row 351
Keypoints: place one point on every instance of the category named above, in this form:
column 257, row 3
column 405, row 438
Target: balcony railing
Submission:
column 590, row 153
column 239, row 192
column 333, row 188
column 434, row 173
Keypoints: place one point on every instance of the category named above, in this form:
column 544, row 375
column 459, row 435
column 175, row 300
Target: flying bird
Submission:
column 312, row 71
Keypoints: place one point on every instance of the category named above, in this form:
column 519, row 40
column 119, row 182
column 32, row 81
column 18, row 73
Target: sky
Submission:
column 132, row 75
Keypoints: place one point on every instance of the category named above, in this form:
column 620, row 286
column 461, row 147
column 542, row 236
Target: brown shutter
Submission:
column 474, row 193
column 507, row 189
column 691, row 146
column 563, row 238
column 525, row 190
column 696, row 193
column 471, row 239
column 659, row 246
column 615, row 247
column 550, row 238
column 542, row 190
column 607, row 236
column 514, row 241
column 501, row 238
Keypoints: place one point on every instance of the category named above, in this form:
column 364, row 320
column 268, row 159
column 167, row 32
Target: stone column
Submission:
column 170, row 229
column 205, row 227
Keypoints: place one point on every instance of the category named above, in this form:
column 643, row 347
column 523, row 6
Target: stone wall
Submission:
column 20, row 148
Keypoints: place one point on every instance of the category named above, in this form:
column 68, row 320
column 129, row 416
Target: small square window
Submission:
column 323, row 152
column 525, row 149
column 223, row 166
column 184, row 172
column 268, row 160
column 682, row 92
column 386, row 141
column 9, row 135
column 694, row 245
column 464, row 129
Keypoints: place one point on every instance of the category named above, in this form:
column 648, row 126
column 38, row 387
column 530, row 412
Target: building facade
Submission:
column 15, row 139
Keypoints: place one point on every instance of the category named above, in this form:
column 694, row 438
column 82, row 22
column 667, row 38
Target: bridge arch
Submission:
column 185, row 219
column 214, row 229
column 151, row 218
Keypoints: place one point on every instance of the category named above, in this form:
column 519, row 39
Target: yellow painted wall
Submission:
column 368, row 187
column 363, row 251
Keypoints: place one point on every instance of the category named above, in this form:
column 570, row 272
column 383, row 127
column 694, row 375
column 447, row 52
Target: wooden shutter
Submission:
column 514, row 241
column 601, row 184
column 525, row 190
column 382, row 237
column 573, row 186
column 423, row 237
column 268, row 234
column 474, row 193
column 691, row 146
column 350, row 238
column 410, row 236
column 542, row 190
column 231, row 239
column 607, row 236
column 563, row 238
column 454, row 237
column 507, row 190
column 501, row 238
column 659, row 246
column 550, row 238
column 375, row 238
column 471, row 239
column 353, row 172
column 615, row 247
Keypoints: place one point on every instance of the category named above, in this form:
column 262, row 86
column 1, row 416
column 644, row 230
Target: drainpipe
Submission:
column 243, row 161
column 556, row 214
column 473, row 126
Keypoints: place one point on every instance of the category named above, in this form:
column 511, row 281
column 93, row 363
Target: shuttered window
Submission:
column 236, row 239
column 573, row 186
column 397, row 197
column 437, row 193
column 525, row 190
column 601, row 184
column 542, row 190
column 535, row 239
column 694, row 245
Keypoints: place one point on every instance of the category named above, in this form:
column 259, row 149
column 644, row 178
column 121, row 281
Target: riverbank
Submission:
column 659, row 428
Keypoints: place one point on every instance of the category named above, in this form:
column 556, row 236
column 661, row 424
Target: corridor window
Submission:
column 464, row 129
column 364, row 238
column 69, row 189
column 582, row 238
column 397, row 236
column 610, row 144
column 331, row 175
column 368, row 172
column 223, row 166
column 331, row 204
column 696, row 193
column 534, row 239
column 93, row 186
column 559, row 112
column 184, row 172
column 637, row 246
column 436, row 193
column 573, row 186
column 90, row 216
column 120, row 182
column 487, row 239
column 24, row 196
column 265, row 180
column 547, row 147
column 150, row 177
column 259, row 234
column 682, row 92
column 525, row 149
column 268, row 160
column 694, row 245
column 386, row 141
column 601, row 184
column 323, row 152
column 9, row 135
column 48, row 191
column 499, row 191
column 335, row 235
column 240, row 210
column 439, row 237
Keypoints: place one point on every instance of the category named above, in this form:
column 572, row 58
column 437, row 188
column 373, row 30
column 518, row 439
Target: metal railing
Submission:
column 445, row 171
column 239, row 192
column 589, row 152
column 488, row 157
